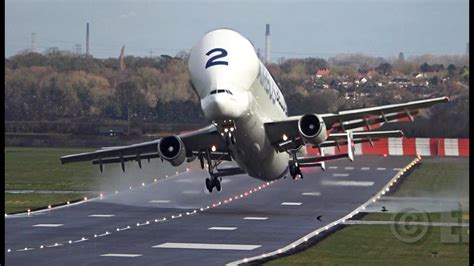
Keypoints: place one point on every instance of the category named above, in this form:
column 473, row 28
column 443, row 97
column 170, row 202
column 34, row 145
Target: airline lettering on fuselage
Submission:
column 271, row 88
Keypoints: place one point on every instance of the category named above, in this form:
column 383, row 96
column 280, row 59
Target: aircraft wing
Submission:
column 347, row 120
column 195, row 143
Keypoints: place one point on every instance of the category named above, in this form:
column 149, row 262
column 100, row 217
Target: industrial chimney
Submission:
column 87, row 40
column 267, row 45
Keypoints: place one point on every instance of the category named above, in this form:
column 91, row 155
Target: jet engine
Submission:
column 172, row 149
column 312, row 129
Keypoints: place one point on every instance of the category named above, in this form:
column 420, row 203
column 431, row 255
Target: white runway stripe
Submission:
column 159, row 201
column 311, row 194
column 222, row 228
column 349, row 168
column 397, row 169
column 255, row 218
column 333, row 167
column 48, row 225
column 121, row 255
column 291, row 203
column 340, row 175
column 381, row 168
column 207, row 246
column 365, row 168
column 348, row 183
column 102, row 215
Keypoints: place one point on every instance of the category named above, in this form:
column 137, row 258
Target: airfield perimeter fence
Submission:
column 406, row 147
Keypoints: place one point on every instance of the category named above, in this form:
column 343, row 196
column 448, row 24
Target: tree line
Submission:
column 58, row 86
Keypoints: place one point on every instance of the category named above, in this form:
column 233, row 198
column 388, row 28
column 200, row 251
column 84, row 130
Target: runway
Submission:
column 173, row 221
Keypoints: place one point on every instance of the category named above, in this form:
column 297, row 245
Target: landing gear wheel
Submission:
column 295, row 171
column 217, row 184
column 209, row 185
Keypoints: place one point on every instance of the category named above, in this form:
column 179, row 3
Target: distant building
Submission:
column 322, row 73
column 371, row 73
column 401, row 57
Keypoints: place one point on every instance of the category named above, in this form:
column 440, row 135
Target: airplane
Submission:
column 249, row 121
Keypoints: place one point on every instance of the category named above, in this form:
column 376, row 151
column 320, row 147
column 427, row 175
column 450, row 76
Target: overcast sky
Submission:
column 298, row 28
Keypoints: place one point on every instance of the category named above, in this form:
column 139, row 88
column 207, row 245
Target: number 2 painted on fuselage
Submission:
column 212, row 61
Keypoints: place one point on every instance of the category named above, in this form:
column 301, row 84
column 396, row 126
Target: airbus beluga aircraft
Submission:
column 249, row 121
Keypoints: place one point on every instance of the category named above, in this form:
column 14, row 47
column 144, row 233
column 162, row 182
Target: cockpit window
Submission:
column 221, row 91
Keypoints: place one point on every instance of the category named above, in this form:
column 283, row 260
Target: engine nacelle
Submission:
column 172, row 149
column 312, row 129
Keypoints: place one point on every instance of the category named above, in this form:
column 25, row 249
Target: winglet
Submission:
column 350, row 147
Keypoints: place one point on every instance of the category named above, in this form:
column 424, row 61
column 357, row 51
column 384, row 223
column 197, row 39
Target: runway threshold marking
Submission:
column 348, row 183
column 48, row 225
column 291, row 203
column 365, row 168
column 159, row 201
column 255, row 218
column 311, row 194
column 335, row 175
column 222, row 228
column 102, row 215
column 207, row 246
column 121, row 255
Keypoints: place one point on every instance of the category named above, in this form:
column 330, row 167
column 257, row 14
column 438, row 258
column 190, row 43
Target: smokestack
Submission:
column 267, row 44
column 33, row 42
column 87, row 39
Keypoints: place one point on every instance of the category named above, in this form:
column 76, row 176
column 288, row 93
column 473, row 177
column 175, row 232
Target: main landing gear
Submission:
column 213, row 181
column 295, row 170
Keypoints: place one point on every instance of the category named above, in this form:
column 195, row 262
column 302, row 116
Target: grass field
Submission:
column 377, row 245
column 41, row 169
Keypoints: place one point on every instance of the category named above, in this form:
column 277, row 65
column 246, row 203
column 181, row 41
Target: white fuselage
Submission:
column 235, row 87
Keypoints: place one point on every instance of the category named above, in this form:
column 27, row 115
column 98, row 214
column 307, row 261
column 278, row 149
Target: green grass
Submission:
column 376, row 245
column 437, row 175
column 431, row 216
column 40, row 168
column 21, row 202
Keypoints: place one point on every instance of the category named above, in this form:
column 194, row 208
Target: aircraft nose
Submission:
column 224, row 105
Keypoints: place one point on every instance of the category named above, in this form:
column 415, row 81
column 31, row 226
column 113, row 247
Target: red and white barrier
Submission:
column 405, row 147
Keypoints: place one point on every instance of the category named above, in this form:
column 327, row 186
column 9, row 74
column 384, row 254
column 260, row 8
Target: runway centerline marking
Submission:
column 102, row 215
column 365, row 168
column 340, row 175
column 159, row 201
column 381, row 168
column 333, row 167
column 348, row 183
column 207, row 246
column 48, row 225
column 311, row 194
column 222, row 228
column 121, row 255
column 349, row 168
column 255, row 218
column 291, row 203
column 397, row 169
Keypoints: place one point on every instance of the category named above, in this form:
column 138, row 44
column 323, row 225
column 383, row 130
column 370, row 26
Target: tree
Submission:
column 384, row 69
column 452, row 70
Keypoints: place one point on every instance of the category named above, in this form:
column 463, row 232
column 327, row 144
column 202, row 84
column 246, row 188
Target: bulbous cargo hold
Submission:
column 172, row 149
column 312, row 129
